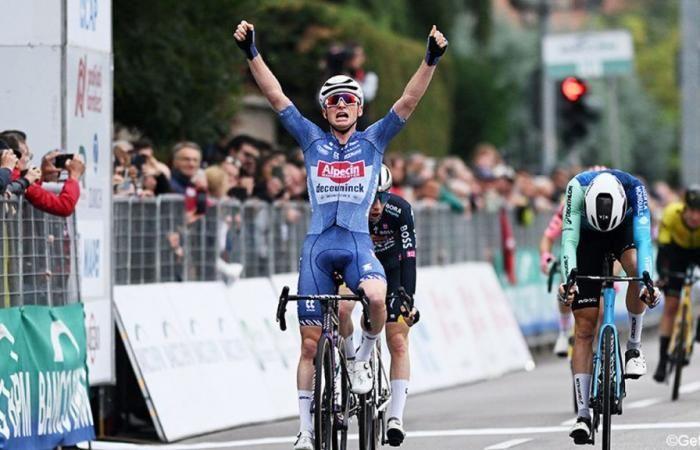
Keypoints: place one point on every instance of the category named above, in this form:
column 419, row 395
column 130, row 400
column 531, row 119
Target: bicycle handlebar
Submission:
column 285, row 298
column 407, row 302
column 552, row 272
column 573, row 276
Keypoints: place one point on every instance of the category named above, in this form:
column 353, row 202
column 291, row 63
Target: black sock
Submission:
column 663, row 348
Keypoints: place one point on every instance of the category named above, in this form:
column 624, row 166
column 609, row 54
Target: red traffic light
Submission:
column 573, row 89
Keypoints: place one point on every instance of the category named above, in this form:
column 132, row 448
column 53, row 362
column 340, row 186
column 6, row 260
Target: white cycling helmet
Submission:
column 385, row 179
column 605, row 202
column 340, row 84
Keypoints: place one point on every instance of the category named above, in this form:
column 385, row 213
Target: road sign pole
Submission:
column 547, row 99
column 614, row 124
column 690, row 91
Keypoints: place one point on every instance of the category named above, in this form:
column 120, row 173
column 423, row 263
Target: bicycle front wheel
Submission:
column 608, row 387
column 679, row 355
column 323, row 396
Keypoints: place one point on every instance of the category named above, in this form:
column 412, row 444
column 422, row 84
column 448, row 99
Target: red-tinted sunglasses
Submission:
column 348, row 99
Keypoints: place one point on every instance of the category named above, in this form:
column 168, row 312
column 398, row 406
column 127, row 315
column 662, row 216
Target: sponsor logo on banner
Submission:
column 89, row 92
column 43, row 393
column 93, row 338
column 340, row 181
column 91, row 258
column 88, row 14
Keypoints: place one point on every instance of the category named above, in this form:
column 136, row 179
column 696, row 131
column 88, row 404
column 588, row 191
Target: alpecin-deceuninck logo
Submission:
column 341, row 171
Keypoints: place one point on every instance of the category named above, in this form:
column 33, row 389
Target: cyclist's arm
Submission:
column 416, row 87
column 571, row 227
column 641, row 221
column 407, row 232
column 265, row 79
column 268, row 84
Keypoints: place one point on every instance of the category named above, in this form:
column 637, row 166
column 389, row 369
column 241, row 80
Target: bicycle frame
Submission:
column 607, row 405
column 608, row 322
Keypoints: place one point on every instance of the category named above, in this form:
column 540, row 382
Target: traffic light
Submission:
column 575, row 114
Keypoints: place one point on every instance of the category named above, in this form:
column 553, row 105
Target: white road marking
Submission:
column 101, row 445
column 568, row 423
column 508, row 444
column 690, row 387
column 642, row 403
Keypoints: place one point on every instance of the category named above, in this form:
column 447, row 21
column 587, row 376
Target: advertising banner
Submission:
column 220, row 348
column 89, row 24
column 89, row 134
column 44, row 399
column 31, row 99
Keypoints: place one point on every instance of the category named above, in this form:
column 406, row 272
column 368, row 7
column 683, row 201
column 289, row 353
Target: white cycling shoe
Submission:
column 635, row 364
column 395, row 433
column 561, row 346
column 305, row 441
column 360, row 377
column 581, row 431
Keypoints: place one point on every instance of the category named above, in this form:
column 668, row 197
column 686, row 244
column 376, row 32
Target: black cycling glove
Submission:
column 434, row 51
column 248, row 45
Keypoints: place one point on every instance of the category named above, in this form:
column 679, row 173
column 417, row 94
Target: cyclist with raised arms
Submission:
column 393, row 233
column 342, row 167
column 679, row 246
column 605, row 211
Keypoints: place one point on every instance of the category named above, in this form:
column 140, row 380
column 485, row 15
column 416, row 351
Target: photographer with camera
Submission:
column 52, row 164
column 10, row 157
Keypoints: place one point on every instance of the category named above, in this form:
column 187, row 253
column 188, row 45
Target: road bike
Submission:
column 332, row 403
column 608, row 380
column 372, row 412
column 681, row 343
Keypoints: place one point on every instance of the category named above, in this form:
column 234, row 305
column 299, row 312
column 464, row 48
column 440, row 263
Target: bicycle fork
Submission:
column 618, row 375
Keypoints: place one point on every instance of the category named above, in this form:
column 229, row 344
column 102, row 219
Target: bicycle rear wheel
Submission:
column 366, row 417
column 341, row 423
column 323, row 396
column 679, row 355
column 608, row 388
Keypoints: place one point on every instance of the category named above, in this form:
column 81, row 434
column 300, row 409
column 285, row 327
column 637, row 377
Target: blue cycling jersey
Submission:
column 574, row 218
column 341, row 179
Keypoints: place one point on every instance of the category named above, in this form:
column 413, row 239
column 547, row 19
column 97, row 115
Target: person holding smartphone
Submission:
column 61, row 204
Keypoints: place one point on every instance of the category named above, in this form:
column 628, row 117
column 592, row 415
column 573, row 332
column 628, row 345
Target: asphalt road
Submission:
column 524, row 410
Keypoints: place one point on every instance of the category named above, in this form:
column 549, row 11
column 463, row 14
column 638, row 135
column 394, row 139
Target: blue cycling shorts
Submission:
column 336, row 249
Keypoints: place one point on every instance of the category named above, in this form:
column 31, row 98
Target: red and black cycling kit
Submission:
column 394, row 238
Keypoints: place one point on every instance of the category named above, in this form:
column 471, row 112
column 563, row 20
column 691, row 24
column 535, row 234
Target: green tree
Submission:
column 295, row 35
column 176, row 66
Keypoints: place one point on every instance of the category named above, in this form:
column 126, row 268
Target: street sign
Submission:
column 589, row 54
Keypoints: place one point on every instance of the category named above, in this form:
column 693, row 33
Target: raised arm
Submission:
column 265, row 79
column 416, row 87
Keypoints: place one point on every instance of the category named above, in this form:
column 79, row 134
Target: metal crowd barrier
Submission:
column 38, row 255
column 156, row 241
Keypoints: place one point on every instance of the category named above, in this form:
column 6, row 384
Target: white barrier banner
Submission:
column 220, row 349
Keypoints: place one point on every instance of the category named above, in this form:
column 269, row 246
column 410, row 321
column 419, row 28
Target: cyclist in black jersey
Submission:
column 393, row 233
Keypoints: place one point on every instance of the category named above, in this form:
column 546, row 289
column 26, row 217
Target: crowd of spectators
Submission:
column 248, row 168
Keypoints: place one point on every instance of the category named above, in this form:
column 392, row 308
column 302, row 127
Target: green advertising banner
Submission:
column 44, row 399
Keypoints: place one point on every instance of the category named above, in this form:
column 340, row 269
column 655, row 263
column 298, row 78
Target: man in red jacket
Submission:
column 62, row 204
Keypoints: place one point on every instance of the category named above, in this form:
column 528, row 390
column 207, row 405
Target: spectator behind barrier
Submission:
column 154, row 175
column 62, row 204
column 245, row 149
column 9, row 158
column 188, row 179
column 187, row 157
